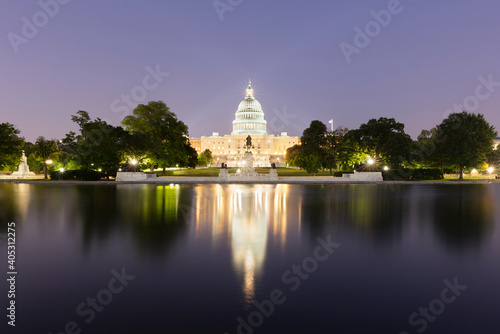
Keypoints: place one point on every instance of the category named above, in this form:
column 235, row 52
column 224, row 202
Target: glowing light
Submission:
column 370, row 161
column 238, row 171
column 48, row 162
column 99, row 170
column 61, row 170
column 474, row 171
column 119, row 169
column 133, row 162
column 386, row 168
column 491, row 170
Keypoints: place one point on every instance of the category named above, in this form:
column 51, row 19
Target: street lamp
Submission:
column 370, row 161
column 47, row 162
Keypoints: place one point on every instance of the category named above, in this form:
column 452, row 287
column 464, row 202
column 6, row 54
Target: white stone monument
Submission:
column 23, row 170
column 248, row 169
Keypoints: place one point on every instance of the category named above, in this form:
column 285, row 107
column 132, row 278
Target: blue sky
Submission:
column 90, row 54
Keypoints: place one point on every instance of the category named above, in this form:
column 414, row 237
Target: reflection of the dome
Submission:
column 248, row 216
column 249, row 234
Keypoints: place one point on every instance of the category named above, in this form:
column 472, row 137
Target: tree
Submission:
column 339, row 150
column 312, row 163
column 293, row 156
column 428, row 150
column 312, row 151
column 466, row 139
column 384, row 140
column 205, row 158
column 44, row 150
column 166, row 136
column 314, row 138
column 10, row 146
column 494, row 157
column 192, row 156
column 99, row 144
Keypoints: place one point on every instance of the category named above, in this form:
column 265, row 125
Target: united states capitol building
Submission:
column 249, row 120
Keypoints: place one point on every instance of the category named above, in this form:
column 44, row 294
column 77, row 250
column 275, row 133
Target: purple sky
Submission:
column 90, row 52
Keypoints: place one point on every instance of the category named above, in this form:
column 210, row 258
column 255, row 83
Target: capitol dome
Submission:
column 249, row 116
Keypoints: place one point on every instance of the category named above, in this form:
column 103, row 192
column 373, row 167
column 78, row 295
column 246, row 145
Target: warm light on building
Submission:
column 249, row 120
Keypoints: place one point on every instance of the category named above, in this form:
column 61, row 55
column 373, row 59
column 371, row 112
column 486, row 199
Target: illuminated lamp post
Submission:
column 47, row 162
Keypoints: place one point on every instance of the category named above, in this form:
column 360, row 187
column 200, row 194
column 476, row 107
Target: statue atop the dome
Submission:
column 249, row 143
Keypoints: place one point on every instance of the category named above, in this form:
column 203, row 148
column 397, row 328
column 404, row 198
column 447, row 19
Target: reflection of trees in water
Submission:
column 8, row 211
column 463, row 214
column 157, row 215
column 153, row 214
column 378, row 210
column 96, row 209
column 18, row 201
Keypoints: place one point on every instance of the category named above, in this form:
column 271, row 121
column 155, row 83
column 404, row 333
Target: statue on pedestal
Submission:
column 23, row 170
column 249, row 143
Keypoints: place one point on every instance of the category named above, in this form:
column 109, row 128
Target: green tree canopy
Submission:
column 427, row 150
column 10, row 146
column 314, row 138
column 205, row 158
column 44, row 150
column 340, row 150
column 99, row 144
column 166, row 137
column 293, row 156
column 383, row 139
column 466, row 139
column 310, row 155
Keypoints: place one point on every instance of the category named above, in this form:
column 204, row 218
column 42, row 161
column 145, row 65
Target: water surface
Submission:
column 203, row 257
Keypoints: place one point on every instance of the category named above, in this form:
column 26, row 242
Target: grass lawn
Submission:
column 215, row 172
column 470, row 178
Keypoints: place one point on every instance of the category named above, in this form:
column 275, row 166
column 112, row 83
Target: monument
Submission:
column 249, row 119
column 23, row 170
column 247, row 168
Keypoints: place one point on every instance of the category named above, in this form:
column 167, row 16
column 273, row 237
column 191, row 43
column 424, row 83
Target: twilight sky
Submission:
column 94, row 55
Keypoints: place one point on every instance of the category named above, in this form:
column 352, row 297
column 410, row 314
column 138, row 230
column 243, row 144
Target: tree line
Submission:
column 462, row 140
column 153, row 137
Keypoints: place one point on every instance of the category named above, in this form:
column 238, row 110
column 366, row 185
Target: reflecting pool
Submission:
column 253, row 258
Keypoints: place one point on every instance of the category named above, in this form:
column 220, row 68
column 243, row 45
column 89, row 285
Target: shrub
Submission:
column 77, row 175
column 57, row 175
column 339, row 174
column 407, row 174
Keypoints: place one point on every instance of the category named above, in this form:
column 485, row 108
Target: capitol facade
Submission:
column 249, row 120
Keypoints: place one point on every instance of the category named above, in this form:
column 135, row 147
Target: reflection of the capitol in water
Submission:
column 248, row 216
